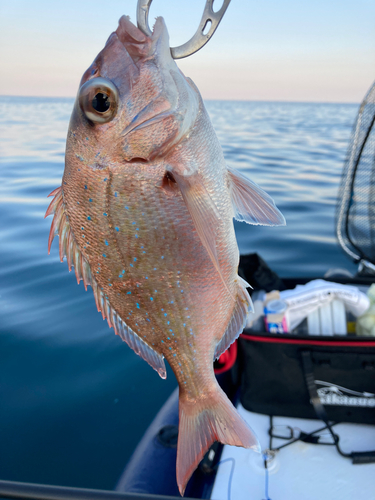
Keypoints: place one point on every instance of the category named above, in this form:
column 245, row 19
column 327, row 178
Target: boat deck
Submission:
column 299, row 471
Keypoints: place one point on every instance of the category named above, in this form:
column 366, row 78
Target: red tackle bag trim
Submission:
column 273, row 380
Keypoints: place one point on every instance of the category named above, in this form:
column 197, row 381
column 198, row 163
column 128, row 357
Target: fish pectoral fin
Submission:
column 204, row 213
column 251, row 204
column 237, row 322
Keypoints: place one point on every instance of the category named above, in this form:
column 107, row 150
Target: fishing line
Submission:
column 265, row 457
column 230, row 475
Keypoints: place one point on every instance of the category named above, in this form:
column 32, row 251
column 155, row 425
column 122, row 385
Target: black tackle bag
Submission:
column 295, row 376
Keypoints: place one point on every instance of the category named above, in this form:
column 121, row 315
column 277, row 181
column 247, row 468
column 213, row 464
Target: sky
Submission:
column 263, row 50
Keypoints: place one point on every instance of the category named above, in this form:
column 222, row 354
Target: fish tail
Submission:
column 201, row 424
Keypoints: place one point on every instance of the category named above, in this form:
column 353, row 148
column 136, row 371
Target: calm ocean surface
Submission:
column 74, row 399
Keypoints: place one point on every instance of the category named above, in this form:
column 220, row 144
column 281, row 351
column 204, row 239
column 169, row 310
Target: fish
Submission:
column 144, row 215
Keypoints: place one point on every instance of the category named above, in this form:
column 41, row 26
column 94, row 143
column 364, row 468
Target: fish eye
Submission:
column 98, row 99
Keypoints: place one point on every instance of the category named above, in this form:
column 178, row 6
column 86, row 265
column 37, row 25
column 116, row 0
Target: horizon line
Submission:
column 277, row 101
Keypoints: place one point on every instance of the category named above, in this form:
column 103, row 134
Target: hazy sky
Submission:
column 289, row 50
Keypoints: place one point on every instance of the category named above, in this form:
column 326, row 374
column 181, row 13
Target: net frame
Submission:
column 355, row 208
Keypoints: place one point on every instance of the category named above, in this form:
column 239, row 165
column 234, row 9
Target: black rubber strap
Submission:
column 308, row 371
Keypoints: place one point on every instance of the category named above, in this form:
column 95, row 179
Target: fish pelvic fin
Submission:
column 68, row 248
column 242, row 307
column 214, row 418
column 251, row 204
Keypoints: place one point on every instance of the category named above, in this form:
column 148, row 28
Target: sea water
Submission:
column 74, row 399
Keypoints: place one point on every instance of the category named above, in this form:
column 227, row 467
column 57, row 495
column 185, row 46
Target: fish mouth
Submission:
column 140, row 46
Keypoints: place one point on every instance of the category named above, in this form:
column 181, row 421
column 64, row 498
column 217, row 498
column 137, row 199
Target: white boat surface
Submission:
column 301, row 470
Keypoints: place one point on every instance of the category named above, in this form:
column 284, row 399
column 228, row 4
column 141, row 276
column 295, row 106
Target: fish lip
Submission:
column 142, row 47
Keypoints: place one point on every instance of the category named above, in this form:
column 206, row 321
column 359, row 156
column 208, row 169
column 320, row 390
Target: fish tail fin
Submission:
column 203, row 423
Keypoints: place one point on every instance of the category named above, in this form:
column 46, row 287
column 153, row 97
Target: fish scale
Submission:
column 145, row 216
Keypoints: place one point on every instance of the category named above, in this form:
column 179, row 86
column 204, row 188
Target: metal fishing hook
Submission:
column 210, row 19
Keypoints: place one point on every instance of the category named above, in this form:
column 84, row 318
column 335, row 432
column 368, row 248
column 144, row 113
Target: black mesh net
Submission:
column 355, row 213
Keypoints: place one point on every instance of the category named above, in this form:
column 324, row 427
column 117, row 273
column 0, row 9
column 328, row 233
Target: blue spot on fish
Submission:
column 128, row 293
column 135, row 259
column 105, row 215
column 133, row 223
column 115, row 194
column 85, row 187
column 136, row 235
column 105, row 179
column 151, row 298
column 165, row 314
column 104, row 255
column 90, row 200
column 137, row 305
column 88, row 218
column 127, row 208
column 162, row 256
column 106, row 242
column 117, row 229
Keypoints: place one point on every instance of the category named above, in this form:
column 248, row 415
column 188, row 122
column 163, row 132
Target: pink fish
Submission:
column 145, row 216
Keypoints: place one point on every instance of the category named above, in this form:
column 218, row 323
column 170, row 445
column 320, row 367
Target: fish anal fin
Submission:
column 201, row 424
column 139, row 346
column 251, row 204
column 69, row 248
column 242, row 307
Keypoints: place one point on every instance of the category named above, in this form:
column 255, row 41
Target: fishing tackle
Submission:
column 210, row 20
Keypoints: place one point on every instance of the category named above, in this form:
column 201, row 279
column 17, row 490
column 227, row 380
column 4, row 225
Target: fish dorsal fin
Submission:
column 68, row 247
column 237, row 322
column 204, row 214
column 251, row 204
